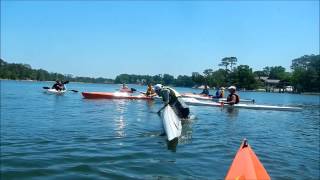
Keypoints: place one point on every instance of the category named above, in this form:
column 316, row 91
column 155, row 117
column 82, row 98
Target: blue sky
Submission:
column 107, row 38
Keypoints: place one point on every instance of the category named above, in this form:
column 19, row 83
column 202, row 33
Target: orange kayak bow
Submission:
column 246, row 165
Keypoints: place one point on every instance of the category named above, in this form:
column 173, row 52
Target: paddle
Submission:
column 66, row 82
column 73, row 90
column 45, row 87
column 162, row 108
column 221, row 104
column 135, row 90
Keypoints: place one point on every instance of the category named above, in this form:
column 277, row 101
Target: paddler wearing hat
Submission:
column 233, row 97
column 173, row 98
column 219, row 93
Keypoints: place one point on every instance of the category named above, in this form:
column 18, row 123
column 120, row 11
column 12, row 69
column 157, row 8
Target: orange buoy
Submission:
column 246, row 165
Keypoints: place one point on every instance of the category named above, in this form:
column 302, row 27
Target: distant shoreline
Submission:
column 256, row 90
column 24, row 80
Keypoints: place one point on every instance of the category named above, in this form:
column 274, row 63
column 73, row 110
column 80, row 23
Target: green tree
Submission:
column 225, row 63
column 277, row 72
column 266, row 70
column 157, row 79
column 197, row 78
column 218, row 78
column 185, row 81
column 207, row 74
column 232, row 61
column 228, row 61
column 306, row 73
column 243, row 77
column 260, row 74
column 168, row 79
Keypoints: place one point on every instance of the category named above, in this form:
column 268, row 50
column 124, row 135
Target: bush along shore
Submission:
column 303, row 78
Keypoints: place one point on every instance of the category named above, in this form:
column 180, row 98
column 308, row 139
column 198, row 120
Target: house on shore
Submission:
column 274, row 85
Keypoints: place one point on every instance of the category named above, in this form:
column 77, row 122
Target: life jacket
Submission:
column 222, row 93
column 219, row 94
column 149, row 91
column 205, row 92
column 179, row 106
column 229, row 98
column 173, row 95
column 58, row 86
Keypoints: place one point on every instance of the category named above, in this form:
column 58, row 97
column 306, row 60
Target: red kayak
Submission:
column 116, row 95
column 126, row 90
column 246, row 165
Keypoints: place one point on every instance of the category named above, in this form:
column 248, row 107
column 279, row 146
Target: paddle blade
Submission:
column 221, row 104
column 45, row 87
column 133, row 89
column 74, row 90
column 66, row 82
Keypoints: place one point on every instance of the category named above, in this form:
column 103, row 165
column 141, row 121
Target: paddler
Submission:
column 58, row 86
column 150, row 91
column 233, row 97
column 219, row 93
column 125, row 88
column 205, row 91
column 172, row 97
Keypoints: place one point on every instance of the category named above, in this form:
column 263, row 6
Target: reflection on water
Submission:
column 232, row 112
column 185, row 138
column 172, row 145
column 119, row 118
column 150, row 104
column 120, row 127
column 186, row 134
column 44, row 135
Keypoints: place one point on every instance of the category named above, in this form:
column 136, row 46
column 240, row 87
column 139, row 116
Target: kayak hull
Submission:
column 54, row 91
column 109, row 95
column 171, row 123
column 195, row 102
column 208, row 98
column 246, row 165
column 126, row 90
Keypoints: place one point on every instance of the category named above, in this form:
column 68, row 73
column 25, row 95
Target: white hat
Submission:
column 232, row 87
column 157, row 87
column 222, row 88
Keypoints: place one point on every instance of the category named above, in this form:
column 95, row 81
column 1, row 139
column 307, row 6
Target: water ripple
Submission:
column 67, row 137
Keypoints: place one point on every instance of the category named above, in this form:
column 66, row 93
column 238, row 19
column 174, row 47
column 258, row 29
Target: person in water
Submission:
column 124, row 86
column 233, row 97
column 173, row 98
column 219, row 93
column 205, row 91
column 59, row 86
column 150, row 91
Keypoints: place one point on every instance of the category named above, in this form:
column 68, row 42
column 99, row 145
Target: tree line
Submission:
column 166, row 79
column 25, row 72
column 304, row 77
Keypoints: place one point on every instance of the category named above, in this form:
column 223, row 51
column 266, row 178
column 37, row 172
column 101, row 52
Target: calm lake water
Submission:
column 67, row 137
